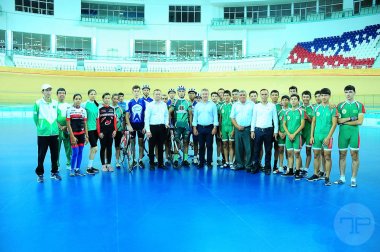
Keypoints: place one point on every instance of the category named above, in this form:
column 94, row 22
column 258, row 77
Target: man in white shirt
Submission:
column 205, row 122
column 156, row 123
column 241, row 117
column 264, row 127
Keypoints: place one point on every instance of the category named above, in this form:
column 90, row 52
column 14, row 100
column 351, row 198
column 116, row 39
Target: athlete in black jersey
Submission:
column 107, row 127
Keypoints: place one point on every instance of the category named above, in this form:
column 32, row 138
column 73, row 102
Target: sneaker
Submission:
column 55, row 176
column 225, row 165
column 94, row 170
column 303, row 173
column 289, row 173
column 175, row 164
column 155, row 161
column 321, row 176
column 68, row 167
column 327, row 182
column 195, row 160
column 167, row 163
column 141, row 164
column 72, row 173
column 134, row 163
column 219, row 162
column 90, row 171
column 339, row 182
column 185, row 163
column 110, row 168
column 104, row 168
column 118, row 166
column 231, row 165
column 298, row 175
column 353, row 184
column 40, row 178
column 161, row 166
column 77, row 172
column 313, row 178
column 276, row 171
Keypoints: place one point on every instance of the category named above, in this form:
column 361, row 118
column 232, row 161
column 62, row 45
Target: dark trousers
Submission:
column 157, row 139
column 45, row 142
column 106, row 147
column 243, row 152
column 205, row 137
column 263, row 135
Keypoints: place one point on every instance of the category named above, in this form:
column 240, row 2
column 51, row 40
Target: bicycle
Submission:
column 125, row 151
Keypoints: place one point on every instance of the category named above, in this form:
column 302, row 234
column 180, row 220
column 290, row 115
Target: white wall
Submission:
column 260, row 38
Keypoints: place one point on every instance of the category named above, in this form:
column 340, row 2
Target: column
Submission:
column 244, row 48
column 168, row 48
column 53, row 43
column 268, row 10
column 205, row 49
column 9, row 42
column 317, row 6
column 93, row 46
column 131, row 48
column 292, row 9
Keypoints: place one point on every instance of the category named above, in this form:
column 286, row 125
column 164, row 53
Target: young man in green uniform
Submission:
column 306, row 132
column 227, row 130
column 183, row 117
column 294, row 122
column 62, row 126
column 351, row 116
column 321, row 173
column 45, row 113
column 324, row 122
column 282, row 134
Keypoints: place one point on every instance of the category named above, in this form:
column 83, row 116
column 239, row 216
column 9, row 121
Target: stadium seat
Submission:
column 354, row 49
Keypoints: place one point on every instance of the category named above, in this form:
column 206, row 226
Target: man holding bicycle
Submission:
column 183, row 116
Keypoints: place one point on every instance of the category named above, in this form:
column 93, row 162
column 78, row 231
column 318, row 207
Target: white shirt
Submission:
column 156, row 113
column 205, row 113
column 264, row 116
column 242, row 113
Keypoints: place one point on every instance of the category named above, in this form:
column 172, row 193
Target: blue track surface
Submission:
column 184, row 210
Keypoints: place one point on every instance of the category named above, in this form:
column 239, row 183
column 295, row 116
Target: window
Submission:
column 44, row 7
column 329, row 6
column 33, row 43
column 2, row 40
column 303, row 9
column 225, row 49
column 256, row 12
column 67, row 45
column 150, row 48
column 113, row 12
column 233, row 12
column 184, row 14
column 186, row 49
column 280, row 10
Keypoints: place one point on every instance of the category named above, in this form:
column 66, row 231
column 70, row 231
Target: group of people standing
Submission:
column 243, row 128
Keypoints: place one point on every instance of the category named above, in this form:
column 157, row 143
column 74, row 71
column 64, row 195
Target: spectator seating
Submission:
column 111, row 66
column 44, row 63
column 179, row 66
column 261, row 63
column 354, row 49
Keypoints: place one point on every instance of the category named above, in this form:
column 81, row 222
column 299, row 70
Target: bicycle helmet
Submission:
column 145, row 86
column 171, row 90
column 192, row 90
column 197, row 95
column 181, row 88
